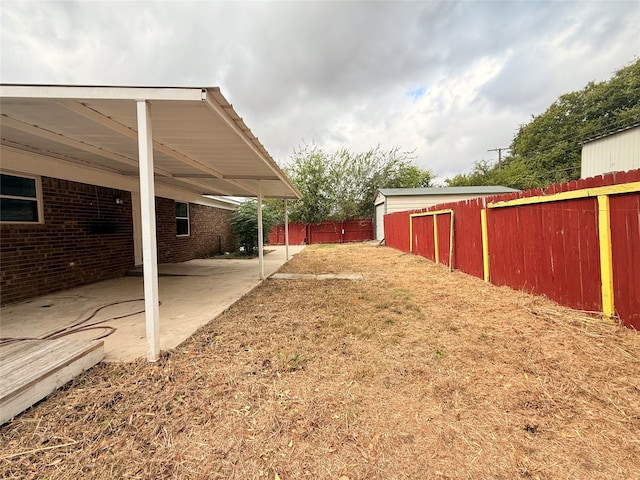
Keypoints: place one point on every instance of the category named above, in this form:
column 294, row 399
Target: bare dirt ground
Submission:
column 411, row 373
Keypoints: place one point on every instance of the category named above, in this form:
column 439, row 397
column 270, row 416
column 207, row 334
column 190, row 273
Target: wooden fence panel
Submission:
column 297, row 234
column 326, row 232
column 396, row 230
column 358, row 230
column 422, row 238
column 548, row 249
column 505, row 247
column 467, row 236
column 444, row 237
column 625, row 243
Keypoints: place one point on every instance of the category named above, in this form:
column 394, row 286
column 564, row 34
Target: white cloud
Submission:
column 338, row 73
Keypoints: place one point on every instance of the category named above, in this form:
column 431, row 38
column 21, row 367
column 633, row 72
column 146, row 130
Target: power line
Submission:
column 499, row 150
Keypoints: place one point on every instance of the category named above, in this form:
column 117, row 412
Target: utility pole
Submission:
column 499, row 150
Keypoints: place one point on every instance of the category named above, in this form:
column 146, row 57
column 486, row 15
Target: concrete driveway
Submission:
column 191, row 294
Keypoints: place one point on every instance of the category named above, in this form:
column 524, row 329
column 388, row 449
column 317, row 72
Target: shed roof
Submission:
column 611, row 134
column 480, row 190
column 199, row 142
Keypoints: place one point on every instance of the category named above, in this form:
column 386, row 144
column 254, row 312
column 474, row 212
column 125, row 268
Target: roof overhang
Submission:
column 199, row 141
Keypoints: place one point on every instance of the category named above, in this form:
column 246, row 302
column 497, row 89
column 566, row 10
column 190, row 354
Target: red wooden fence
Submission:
column 327, row 232
column 550, row 246
column 297, row 234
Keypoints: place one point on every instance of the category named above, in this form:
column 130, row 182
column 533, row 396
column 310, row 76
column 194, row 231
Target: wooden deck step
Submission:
column 32, row 369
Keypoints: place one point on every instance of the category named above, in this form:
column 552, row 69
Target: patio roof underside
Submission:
column 199, row 144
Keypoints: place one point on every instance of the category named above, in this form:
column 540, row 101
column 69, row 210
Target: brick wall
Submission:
column 86, row 238
column 210, row 232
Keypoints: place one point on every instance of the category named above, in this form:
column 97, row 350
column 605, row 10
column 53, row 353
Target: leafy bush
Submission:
column 245, row 225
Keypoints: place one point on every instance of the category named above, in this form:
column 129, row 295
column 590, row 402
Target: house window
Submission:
column 182, row 219
column 20, row 199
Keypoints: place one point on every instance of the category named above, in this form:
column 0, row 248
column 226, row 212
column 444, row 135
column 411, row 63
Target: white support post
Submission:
column 286, row 229
column 260, row 233
column 149, row 243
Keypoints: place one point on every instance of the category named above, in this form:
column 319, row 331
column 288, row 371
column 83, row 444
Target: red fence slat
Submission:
column 625, row 244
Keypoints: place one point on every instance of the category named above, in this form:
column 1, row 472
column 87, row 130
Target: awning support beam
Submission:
column 260, row 233
column 149, row 242
column 286, row 229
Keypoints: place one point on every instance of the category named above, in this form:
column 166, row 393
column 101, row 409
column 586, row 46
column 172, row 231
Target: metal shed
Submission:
column 616, row 152
column 391, row 200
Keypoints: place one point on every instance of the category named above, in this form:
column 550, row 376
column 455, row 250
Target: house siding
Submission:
column 86, row 237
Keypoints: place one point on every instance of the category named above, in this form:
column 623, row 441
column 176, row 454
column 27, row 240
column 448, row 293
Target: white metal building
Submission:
column 390, row 200
column 616, row 152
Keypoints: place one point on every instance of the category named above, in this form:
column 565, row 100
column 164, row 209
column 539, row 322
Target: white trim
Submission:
column 101, row 93
column 38, row 198
column 23, row 162
column 244, row 135
column 188, row 218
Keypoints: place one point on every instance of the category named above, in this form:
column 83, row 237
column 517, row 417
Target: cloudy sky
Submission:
column 447, row 79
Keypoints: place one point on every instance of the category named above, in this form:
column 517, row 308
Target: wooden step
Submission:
column 32, row 369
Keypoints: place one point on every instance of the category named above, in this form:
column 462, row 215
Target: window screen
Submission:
column 18, row 199
column 182, row 219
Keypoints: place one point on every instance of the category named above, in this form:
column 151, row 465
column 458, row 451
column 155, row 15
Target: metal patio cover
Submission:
column 199, row 141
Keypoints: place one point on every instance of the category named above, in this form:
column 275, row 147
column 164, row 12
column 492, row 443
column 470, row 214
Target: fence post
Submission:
column 485, row 245
column 410, row 233
column 451, row 242
column 436, row 251
column 606, row 260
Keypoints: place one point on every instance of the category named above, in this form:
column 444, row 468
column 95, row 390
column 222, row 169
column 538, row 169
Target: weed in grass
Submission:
column 439, row 354
column 402, row 293
column 290, row 361
column 363, row 372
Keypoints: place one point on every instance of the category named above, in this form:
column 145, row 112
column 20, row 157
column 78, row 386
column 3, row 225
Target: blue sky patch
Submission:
column 416, row 93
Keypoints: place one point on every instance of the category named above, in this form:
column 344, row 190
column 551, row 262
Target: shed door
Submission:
column 380, row 221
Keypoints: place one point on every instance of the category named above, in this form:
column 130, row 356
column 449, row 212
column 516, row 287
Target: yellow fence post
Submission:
column 606, row 260
column 485, row 244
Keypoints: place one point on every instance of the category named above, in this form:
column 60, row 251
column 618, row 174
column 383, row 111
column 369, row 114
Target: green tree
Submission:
column 343, row 185
column 548, row 149
column 310, row 171
column 245, row 225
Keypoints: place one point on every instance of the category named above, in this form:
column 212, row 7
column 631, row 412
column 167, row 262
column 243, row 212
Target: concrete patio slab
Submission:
column 311, row 276
column 191, row 295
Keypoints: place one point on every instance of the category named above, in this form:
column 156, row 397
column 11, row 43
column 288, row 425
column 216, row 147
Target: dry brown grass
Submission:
column 413, row 372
